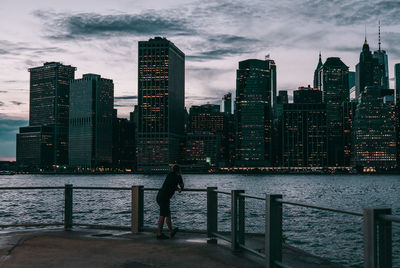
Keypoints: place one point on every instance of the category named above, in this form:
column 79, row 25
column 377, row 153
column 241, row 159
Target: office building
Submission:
column 349, row 111
column 255, row 98
column 397, row 81
column 304, row 135
column 307, row 95
column 35, row 147
column 49, row 106
column 374, row 133
column 227, row 103
column 205, row 130
column 91, row 123
column 161, row 101
column 124, row 144
column 334, row 75
column 316, row 73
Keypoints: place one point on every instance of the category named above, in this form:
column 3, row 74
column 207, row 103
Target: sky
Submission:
column 102, row 37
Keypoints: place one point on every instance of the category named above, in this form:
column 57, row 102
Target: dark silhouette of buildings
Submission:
column 124, row 144
column 334, row 84
column 90, row 123
column 307, row 95
column 49, row 106
column 397, row 81
column 255, row 94
column 161, row 98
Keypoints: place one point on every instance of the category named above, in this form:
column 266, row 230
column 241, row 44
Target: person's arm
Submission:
column 181, row 185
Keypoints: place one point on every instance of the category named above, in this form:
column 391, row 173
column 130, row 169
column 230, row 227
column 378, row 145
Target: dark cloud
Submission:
column 3, row 91
column 77, row 26
column 16, row 103
column 16, row 48
column 125, row 98
column 1, row 103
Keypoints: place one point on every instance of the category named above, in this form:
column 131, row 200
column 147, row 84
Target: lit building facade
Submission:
column 90, row 122
column 307, row 95
column 204, row 137
column 161, row 103
column 374, row 133
column 334, row 84
column 349, row 112
column 255, row 97
column 49, row 106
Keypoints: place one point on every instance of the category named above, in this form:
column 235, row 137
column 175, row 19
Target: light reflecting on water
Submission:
column 336, row 236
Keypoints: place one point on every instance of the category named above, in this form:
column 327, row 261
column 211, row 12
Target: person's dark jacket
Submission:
column 169, row 186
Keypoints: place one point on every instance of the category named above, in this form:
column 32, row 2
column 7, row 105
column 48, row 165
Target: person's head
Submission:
column 176, row 169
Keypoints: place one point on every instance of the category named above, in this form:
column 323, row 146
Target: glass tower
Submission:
column 90, row 123
column 334, row 77
column 255, row 94
column 161, row 100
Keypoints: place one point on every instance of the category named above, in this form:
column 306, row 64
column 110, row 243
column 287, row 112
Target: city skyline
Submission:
column 93, row 37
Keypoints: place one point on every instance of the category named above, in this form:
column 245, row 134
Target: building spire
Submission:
column 365, row 35
column 379, row 35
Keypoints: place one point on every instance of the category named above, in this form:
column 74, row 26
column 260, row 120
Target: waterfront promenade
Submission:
column 105, row 248
column 243, row 225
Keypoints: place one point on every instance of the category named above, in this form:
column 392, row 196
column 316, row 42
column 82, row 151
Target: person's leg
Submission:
column 169, row 223
column 160, row 225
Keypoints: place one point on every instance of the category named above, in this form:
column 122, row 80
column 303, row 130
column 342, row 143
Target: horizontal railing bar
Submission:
column 222, row 237
column 100, row 226
column 390, row 218
column 100, row 188
column 319, row 207
column 33, row 188
column 222, row 192
column 184, row 190
column 252, row 251
column 31, row 224
column 252, row 196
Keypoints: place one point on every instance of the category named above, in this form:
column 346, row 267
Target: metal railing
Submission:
column 377, row 223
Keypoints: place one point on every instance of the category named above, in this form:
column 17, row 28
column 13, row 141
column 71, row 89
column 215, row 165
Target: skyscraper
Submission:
column 227, row 103
column 161, row 100
column 316, row 78
column 255, row 93
column 91, row 121
column 374, row 133
column 382, row 61
column 49, row 106
column 397, row 81
column 367, row 70
column 334, row 76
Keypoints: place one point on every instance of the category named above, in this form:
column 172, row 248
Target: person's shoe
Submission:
column 162, row 237
column 174, row 232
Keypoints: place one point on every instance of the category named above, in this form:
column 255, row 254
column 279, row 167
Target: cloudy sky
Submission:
column 102, row 37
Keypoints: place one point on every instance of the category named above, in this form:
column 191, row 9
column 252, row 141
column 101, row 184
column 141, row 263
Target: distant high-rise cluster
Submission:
column 345, row 122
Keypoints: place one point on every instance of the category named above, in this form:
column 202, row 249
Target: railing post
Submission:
column 68, row 207
column 237, row 223
column 377, row 238
column 241, row 226
column 273, row 230
column 212, row 214
column 137, row 209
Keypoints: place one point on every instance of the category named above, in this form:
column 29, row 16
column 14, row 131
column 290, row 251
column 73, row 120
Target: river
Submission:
column 331, row 235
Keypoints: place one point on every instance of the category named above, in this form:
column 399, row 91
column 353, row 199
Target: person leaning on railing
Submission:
column 164, row 196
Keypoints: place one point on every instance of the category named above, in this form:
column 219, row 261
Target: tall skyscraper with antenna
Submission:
column 383, row 69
